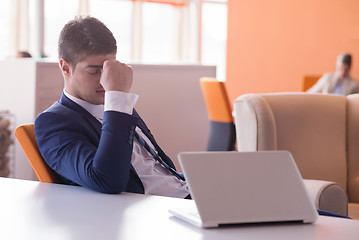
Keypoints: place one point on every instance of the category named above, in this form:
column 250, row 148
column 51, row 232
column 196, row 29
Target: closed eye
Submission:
column 94, row 72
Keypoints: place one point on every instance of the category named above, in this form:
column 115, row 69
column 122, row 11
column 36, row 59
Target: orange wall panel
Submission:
column 272, row 44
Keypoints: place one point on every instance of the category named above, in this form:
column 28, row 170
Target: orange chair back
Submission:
column 216, row 99
column 308, row 81
column 25, row 134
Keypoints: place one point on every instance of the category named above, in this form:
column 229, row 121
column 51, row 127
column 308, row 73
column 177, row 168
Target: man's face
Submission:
column 343, row 70
column 83, row 82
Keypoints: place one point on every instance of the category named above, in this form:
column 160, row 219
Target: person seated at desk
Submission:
column 93, row 136
column 338, row 82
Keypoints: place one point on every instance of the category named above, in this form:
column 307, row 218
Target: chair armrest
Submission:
column 327, row 196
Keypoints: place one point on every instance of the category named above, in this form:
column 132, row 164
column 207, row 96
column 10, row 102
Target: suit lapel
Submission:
column 77, row 108
column 332, row 83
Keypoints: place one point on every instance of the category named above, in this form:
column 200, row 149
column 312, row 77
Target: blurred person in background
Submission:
column 23, row 54
column 339, row 82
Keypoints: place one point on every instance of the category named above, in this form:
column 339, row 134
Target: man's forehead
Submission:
column 96, row 61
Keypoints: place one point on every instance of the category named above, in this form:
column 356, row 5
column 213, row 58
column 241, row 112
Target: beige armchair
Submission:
column 322, row 133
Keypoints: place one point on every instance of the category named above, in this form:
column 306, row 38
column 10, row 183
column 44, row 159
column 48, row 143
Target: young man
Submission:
column 92, row 136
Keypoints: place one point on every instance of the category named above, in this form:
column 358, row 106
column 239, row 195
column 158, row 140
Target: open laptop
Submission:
column 244, row 187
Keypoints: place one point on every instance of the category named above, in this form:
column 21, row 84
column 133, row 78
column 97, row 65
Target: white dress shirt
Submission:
column 156, row 179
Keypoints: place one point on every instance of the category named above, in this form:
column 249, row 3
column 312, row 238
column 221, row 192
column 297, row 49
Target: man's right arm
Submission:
column 74, row 150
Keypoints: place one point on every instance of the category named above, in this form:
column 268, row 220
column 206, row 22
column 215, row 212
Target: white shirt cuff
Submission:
column 120, row 101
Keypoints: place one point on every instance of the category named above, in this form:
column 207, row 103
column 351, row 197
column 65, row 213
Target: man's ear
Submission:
column 65, row 67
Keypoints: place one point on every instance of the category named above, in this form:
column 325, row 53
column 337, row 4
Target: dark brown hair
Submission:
column 85, row 36
column 345, row 58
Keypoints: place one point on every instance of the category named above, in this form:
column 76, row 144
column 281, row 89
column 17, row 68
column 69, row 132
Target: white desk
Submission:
column 33, row 210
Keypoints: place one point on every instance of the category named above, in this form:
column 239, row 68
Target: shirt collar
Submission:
column 94, row 110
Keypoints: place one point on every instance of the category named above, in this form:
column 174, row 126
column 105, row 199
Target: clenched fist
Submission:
column 116, row 76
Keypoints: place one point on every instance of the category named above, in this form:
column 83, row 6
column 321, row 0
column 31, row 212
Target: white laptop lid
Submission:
column 245, row 187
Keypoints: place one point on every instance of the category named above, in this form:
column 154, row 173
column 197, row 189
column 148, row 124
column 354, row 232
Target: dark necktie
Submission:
column 158, row 158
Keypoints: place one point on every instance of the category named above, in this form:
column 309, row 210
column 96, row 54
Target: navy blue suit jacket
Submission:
column 85, row 152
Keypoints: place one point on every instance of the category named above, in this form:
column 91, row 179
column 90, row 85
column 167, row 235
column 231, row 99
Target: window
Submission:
column 7, row 21
column 214, row 36
column 117, row 15
column 147, row 31
column 57, row 14
column 159, row 36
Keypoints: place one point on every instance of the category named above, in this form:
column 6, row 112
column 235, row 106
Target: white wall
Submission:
column 17, row 94
column 171, row 102
column 172, row 105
